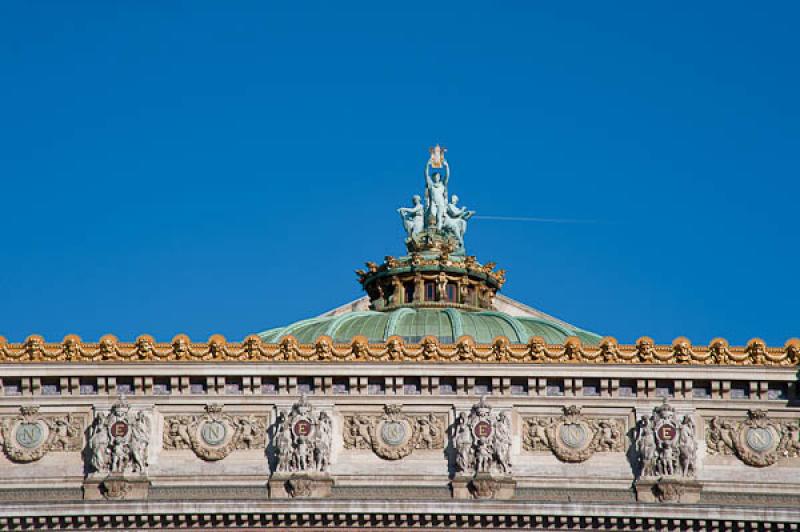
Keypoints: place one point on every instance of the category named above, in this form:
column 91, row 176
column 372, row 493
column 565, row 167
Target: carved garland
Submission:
column 29, row 436
column 758, row 441
column 573, row 437
column 253, row 349
column 214, row 435
column 394, row 435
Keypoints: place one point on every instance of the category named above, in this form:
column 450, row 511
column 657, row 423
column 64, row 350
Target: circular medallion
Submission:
column 667, row 432
column 393, row 433
column 573, row 435
column 759, row 439
column 119, row 429
column 213, row 432
column 302, row 427
column 482, row 429
column 29, row 435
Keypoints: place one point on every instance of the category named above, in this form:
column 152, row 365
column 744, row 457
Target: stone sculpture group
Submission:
column 664, row 443
column 482, row 441
column 303, row 440
column 438, row 217
column 666, row 447
column 118, row 440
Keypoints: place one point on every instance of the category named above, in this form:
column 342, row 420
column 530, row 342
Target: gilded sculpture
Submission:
column 146, row 349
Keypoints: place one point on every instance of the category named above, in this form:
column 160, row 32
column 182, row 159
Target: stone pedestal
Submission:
column 667, row 489
column 116, row 487
column 483, row 486
column 300, row 485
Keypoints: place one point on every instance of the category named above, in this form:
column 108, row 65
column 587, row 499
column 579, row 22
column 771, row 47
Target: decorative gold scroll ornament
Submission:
column 536, row 351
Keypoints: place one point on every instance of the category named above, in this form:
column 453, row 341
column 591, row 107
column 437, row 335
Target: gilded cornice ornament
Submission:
column 415, row 261
column 395, row 349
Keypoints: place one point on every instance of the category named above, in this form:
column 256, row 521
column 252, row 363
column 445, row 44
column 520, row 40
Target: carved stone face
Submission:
column 435, row 177
column 537, row 345
column 144, row 345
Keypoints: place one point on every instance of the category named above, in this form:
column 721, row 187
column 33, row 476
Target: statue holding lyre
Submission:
column 439, row 222
column 436, row 187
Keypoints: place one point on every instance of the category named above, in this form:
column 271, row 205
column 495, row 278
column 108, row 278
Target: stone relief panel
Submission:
column 394, row 435
column 666, row 444
column 665, row 453
column 573, row 436
column 119, row 440
column 303, row 440
column 29, row 436
column 214, row 434
column 482, row 441
column 757, row 441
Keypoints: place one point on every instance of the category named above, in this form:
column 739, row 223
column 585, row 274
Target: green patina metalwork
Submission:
column 447, row 324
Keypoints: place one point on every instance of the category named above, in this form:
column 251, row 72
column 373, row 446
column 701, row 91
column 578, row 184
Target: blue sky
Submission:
column 223, row 167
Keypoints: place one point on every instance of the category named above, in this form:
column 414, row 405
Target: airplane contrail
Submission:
column 541, row 220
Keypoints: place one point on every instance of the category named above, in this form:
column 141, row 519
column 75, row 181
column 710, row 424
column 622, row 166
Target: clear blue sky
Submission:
column 207, row 167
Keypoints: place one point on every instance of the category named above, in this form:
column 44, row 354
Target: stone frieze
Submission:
column 214, row 434
column 758, row 441
column 29, row 436
column 394, row 434
column 573, row 436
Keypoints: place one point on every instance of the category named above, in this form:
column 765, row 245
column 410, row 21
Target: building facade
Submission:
column 432, row 402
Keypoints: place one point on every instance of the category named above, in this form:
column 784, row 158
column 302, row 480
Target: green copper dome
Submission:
column 436, row 290
column 413, row 324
